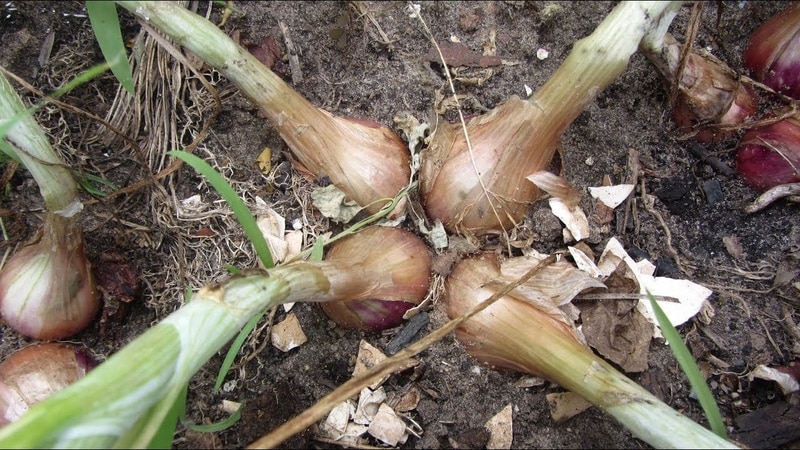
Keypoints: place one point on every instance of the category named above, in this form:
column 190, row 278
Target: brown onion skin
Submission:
column 709, row 94
column 33, row 373
column 773, row 53
column 770, row 156
column 397, row 252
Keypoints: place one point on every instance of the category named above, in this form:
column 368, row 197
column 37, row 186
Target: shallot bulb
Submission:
column 709, row 93
column 769, row 156
column 47, row 290
column 773, row 54
column 33, row 373
column 400, row 264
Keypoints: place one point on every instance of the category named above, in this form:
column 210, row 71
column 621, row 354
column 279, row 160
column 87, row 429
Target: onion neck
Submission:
column 598, row 59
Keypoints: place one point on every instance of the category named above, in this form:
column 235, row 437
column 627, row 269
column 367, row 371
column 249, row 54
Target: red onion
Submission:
column 33, row 373
column 769, row 156
column 405, row 285
column 773, row 54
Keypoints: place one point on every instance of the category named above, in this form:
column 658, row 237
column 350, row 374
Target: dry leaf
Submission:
column 387, row 427
column 501, row 430
column 619, row 332
column 566, row 405
column 288, row 334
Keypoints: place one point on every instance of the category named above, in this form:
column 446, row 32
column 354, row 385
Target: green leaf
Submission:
column 234, row 350
column 105, row 24
column 691, row 370
column 243, row 214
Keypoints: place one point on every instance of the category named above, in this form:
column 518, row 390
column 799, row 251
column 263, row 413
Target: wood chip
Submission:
column 288, row 334
column 565, row 405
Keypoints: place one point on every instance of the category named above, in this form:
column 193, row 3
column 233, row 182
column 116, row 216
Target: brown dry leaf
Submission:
column 566, row 405
column 369, row 356
column 788, row 269
column 733, row 246
column 619, row 332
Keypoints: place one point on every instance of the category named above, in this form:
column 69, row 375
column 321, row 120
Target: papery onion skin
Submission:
column 47, row 290
column 773, row 53
column 709, row 93
column 770, row 156
column 31, row 374
column 394, row 291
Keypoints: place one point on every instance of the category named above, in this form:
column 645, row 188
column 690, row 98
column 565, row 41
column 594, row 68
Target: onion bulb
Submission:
column 709, row 93
column 483, row 190
column 773, row 53
column 365, row 160
column 523, row 332
column 400, row 264
column 47, row 290
column 770, row 156
column 33, row 373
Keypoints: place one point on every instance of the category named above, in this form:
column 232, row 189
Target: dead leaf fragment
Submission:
column 288, row 334
column 566, row 405
column 733, row 246
column 387, row 427
column 500, row 428
column 619, row 332
column 332, row 203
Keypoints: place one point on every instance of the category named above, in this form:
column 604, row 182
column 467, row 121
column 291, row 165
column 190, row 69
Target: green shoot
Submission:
column 234, row 349
column 691, row 370
column 241, row 211
column 105, row 24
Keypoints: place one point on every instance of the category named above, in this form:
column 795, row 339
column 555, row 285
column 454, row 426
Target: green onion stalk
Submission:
column 365, row 160
column 124, row 400
column 524, row 331
column 47, row 290
column 475, row 182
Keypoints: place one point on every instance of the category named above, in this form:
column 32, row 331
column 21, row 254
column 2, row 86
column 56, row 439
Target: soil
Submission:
column 349, row 70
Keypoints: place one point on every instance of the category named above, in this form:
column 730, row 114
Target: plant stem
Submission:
column 30, row 145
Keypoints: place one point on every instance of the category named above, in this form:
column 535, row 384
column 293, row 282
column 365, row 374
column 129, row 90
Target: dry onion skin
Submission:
column 33, row 373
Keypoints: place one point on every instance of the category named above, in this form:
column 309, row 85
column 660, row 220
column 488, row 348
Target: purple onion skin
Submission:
column 377, row 315
column 773, row 54
column 770, row 156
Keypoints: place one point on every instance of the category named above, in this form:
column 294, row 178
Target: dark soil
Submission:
column 350, row 72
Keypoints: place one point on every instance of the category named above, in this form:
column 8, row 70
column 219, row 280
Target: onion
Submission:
column 709, row 93
column 401, row 265
column 773, row 54
column 46, row 289
column 524, row 331
column 33, row 373
column 484, row 190
column 770, row 156
column 365, row 160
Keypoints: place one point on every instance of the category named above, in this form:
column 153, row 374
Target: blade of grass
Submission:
column 691, row 370
column 234, row 349
column 241, row 211
column 105, row 24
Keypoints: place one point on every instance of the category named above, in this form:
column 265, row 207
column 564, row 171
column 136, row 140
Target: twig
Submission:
column 294, row 59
